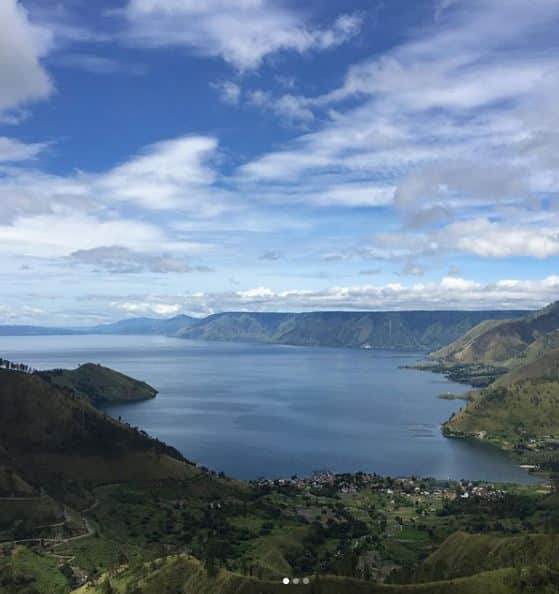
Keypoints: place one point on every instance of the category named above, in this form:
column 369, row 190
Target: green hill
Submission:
column 510, row 415
column 49, row 433
column 184, row 574
column 508, row 342
column 99, row 384
column 463, row 554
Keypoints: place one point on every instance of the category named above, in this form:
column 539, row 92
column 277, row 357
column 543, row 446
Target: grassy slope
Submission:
column 542, row 367
column 455, row 348
column 24, row 572
column 183, row 574
column 508, row 342
column 98, row 383
column 522, row 403
column 509, row 414
column 464, row 554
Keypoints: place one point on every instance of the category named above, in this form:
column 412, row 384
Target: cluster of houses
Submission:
column 391, row 487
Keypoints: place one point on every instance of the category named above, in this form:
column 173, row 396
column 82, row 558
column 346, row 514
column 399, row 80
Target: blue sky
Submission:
column 178, row 156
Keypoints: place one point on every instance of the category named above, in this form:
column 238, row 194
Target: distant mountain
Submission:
column 21, row 330
column 407, row 330
column 99, row 384
column 509, row 342
column 144, row 326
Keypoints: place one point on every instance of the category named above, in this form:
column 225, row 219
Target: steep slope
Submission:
column 257, row 327
column 410, row 330
column 506, row 342
column 99, row 384
column 521, row 405
column 49, row 434
column 545, row 368
column 463, row 554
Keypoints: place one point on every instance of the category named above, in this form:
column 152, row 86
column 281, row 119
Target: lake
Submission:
column 254, row 410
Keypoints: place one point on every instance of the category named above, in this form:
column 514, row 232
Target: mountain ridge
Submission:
column 418, row 330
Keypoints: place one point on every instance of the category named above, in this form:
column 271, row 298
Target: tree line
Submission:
column 11, row 366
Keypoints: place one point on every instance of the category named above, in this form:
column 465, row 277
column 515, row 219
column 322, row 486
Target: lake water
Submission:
column 255, row 410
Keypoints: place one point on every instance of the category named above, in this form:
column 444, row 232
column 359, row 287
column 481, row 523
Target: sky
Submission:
column 160, row 157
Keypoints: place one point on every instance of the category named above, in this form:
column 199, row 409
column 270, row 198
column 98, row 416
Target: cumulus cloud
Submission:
column 142, row 308
column 241, row 32
column 448, row 293
column 22, row 45
column 493, row 240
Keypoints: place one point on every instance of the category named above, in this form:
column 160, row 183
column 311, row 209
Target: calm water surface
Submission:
column 261, row 410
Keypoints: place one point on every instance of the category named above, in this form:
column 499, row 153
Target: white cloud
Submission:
column 97, row 64
column 53, row 236
column 493, row 240
column 167, row 174
column 460, row 116
column 22, row 45
column 12, row 150
column 229, row 92
column 292, row 109
column 122, row 260
column 242, row 32
column 448, row 293
column 354, row 194
column 172, row 174
column 142, row 308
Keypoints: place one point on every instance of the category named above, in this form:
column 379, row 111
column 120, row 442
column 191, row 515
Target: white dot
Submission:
column 306, row 581
column 286, row 581
column 295, row 581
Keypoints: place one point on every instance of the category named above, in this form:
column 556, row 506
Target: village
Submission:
column 346, row 484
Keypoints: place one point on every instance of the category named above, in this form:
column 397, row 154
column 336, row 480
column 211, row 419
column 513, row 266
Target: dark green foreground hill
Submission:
column 48, row 434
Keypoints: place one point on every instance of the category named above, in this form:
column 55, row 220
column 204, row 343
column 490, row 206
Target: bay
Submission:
column 253, row 410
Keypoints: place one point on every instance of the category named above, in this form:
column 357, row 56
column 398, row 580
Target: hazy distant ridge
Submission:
column 406, row 330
